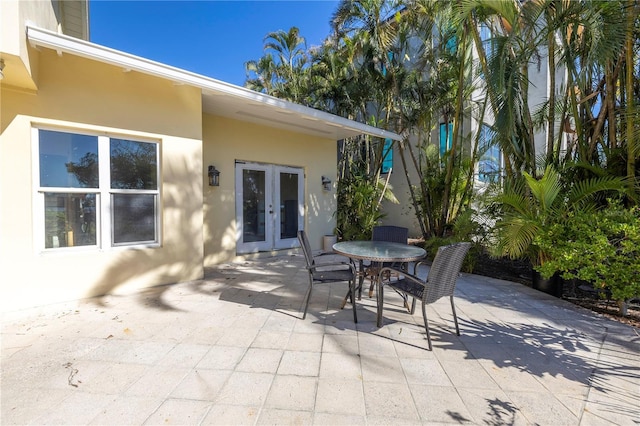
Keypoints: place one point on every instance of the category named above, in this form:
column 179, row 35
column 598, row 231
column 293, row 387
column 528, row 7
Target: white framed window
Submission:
column 95, row 191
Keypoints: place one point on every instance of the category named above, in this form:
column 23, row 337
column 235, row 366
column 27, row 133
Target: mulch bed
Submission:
column 521, row 272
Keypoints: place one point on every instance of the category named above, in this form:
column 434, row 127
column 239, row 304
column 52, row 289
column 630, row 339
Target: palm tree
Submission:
column 290, row 50
column 281, row 71
column 261, row 74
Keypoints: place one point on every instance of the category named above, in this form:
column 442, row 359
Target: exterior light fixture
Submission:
column 214, row 176
column 326, row 183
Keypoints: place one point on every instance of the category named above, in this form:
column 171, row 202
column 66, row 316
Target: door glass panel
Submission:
column 288, row 205
column 253, row 208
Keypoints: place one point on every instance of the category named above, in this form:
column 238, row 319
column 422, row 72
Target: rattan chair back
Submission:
column 394, row 234
column 444, row 271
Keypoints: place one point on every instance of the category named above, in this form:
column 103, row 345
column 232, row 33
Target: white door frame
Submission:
column 270, row 214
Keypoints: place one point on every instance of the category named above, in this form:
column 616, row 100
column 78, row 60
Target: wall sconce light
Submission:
column 326, row 183
column 214, row 176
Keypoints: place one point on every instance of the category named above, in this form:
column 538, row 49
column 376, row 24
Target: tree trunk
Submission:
column 551, row 123
column 629, row 66
column 457, row 121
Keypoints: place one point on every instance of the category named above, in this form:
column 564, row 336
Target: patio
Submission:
column 231, row 349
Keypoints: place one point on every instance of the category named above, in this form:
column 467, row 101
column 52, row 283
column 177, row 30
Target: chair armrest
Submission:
column 400, row 272
column 333, row 264
column 326, row 253
column 417, row 264
column 351, row 261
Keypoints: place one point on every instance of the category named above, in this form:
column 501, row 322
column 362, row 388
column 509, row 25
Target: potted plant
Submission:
column 531, row 207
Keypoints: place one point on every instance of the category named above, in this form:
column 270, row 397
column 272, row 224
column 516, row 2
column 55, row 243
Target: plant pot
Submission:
column 552, row 285
column 328, row 241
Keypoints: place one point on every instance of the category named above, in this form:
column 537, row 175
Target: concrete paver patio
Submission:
column 231, row 349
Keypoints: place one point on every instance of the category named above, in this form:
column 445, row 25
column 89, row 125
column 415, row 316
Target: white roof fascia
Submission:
column 39, row 37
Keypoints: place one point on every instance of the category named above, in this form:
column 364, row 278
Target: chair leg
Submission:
column 346, row 297
column 352, row 287
column 306, row 301
column 360, row 279
column 455, row 317
column 413, row 306
column 380, row 302
column 426, row 324
column 350, row 295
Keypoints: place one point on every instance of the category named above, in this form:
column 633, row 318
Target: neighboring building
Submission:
column 105, row 159
column 476, row 128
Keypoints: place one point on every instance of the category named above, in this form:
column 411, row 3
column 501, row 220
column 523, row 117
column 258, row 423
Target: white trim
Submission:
column 103, row 193
column 291, row 242
column 104, row 221
column 39, row 37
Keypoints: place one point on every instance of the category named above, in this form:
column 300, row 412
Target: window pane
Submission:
column 70, row 220
column 134, row 218
column 289, row 205
column 446, row 137
column 489, row 164
column 253, row 210
column 387, row 156
column 133, row 165
column 68, row 160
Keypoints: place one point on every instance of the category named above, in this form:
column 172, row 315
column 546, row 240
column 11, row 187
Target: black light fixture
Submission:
column 214, row 176
column 326, row 183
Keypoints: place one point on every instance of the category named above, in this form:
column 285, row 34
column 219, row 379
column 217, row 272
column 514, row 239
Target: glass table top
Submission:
column 379, row 251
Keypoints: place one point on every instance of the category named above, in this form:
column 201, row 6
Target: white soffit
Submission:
column 218, row 97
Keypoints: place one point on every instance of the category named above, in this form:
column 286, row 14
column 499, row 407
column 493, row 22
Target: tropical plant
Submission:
column 601, row 247
column 531, row 207
column 281, row 71
column 359, row 206
column 409, row 65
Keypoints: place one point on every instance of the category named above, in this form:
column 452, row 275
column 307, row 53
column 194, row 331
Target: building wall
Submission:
column 73, row 16
column 80, row 95
column 403, row 213
column 227, row 141
column 21, row 66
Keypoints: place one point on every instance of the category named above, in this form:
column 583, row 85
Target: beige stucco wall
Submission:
column 76, row 94
column 403, row 213
column 227, row 140
column 21, row 66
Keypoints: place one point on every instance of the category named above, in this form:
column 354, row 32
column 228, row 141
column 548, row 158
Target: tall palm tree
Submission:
column 290, row 50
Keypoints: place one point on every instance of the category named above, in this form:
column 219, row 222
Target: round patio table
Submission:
column 379, row 251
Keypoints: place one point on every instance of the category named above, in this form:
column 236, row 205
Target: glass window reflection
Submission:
column 68, row 160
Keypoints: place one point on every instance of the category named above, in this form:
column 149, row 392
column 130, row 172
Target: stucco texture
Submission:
column 226, row 141
column 84, row 96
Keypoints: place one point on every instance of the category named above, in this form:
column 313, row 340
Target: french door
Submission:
column 269, row 206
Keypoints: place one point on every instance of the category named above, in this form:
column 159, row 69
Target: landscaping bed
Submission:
column 520, row 271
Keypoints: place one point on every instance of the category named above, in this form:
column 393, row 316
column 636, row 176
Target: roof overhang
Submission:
column 218, row 97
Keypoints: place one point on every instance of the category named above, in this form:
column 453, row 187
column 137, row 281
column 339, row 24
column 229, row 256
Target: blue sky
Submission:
column 213, row 38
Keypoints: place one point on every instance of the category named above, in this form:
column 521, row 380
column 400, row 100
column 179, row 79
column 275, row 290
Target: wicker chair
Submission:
column 393, row 234
column 440, row 282
column 320, row 273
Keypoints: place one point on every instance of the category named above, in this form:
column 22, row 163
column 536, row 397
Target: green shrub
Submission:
column 601, row 247
column 465, row 228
